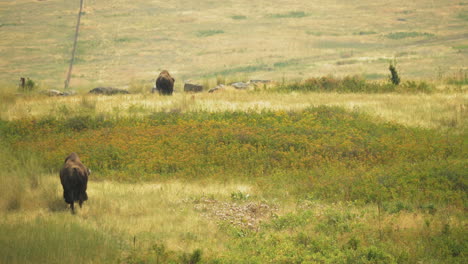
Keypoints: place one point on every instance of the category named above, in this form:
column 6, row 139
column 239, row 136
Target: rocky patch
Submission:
column 245, row 215
column 195, row 88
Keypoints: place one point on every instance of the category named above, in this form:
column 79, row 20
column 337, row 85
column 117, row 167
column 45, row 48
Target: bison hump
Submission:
column 72, row 157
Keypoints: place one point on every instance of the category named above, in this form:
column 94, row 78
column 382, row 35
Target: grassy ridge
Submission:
column 324, row 152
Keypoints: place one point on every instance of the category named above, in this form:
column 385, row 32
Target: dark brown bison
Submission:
column 165, row 83
column 74, row 179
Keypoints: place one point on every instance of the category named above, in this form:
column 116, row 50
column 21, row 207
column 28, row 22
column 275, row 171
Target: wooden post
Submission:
column 22, row 83
column 67, row 82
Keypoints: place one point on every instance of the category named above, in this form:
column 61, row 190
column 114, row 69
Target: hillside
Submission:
column 122, row 41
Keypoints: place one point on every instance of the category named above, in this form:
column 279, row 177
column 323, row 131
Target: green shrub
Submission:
column 238, row 17
column 292, row 14
column 29, row 86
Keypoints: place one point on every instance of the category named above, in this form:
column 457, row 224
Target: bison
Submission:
column 74, row 179
column 165, row 83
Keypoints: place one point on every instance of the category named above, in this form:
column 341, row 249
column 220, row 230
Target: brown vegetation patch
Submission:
column 245, row 215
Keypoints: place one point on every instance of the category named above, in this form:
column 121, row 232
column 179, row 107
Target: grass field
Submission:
column 320, row 184
column 329, row 163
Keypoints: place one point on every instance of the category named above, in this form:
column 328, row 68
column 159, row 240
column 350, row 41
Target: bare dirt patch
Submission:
column 246, row 215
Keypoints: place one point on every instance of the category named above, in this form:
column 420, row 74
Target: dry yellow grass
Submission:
column 439, row 110
column 150, row 212
column 164, row 212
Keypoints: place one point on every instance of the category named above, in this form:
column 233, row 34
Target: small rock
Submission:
column 68, row 93
column 189, row 87
column 154, row 89
column 52, row 92
column 240, row 85
column 217, row 88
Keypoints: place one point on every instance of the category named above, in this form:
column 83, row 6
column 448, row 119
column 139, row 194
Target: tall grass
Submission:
column 61, row 240
column 23, row 185
column 436, row 110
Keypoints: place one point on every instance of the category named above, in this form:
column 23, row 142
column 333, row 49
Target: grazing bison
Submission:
column 74, row 179
column 165, row 83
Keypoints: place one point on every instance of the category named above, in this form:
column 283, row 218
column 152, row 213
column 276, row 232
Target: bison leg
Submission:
column 83, row 197
column 69, row 198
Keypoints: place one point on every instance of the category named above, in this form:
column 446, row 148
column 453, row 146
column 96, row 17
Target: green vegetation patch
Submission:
column 243, row 69
column 338, row 235
column 208, row 33
column 238, row 17
column 461, row 47
column 8, row 24
column 292, row 14
column 319, row 33
column 413, row 34
column 331, row 44
column 463, row 15
column 284, row 64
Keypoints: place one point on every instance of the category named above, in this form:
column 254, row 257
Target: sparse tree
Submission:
column 394, row 78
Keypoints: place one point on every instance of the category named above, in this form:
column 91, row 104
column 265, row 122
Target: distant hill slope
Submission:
column 123, row 40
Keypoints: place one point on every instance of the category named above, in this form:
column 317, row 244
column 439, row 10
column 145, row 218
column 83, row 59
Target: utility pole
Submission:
column 67, row 82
